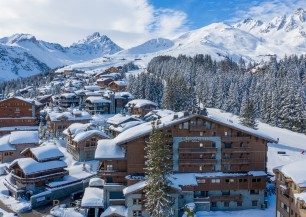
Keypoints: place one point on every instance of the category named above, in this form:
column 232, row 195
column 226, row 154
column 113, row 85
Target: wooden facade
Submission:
column 287, row 205
column 18, row 112
column 203, row 145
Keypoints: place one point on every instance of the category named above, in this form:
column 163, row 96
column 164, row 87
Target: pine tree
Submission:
column 247, row 115
column 158, row 155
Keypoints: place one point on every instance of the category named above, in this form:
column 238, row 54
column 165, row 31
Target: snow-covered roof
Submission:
column 121, row 83
column 296, row 171
column 97, row 99
column 106, row 149
column 28, row 100
column 93, row 197
column 23, row 137
column 93, row 93
column 56, row 116
column 125, row 126
column 92, row 88
column 14, row 128
column 135, row 187
column 5, row 145
column 46, row 152
column 158, row 113
column 76, row 128
column 115, row 211
column 81, row 136
column 301, row 196
column 138, row 103
column 69, row 95
column 241, row 128
column 96, row 182
column 119, row 119
column 123, row 94
column 30, row 166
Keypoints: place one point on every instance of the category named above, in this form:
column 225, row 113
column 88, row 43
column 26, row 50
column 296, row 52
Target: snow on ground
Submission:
column 60, row 211
column 10, row 202
column 269, row 212
column 290, row 142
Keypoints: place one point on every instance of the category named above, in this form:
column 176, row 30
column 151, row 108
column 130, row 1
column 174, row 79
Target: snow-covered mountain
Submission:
column 24, row 55
column 251, row 39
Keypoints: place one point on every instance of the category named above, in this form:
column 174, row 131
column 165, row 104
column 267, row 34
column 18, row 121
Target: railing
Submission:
column 113, row 202
column 235, row 138
column 198, row 150
column 218, row 198
column 198, row 161
column 236, row 150
column 39, row 178
column 112, row 173
column 236, row 161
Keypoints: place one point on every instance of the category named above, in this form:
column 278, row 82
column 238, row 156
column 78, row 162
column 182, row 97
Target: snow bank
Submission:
column 93, row 197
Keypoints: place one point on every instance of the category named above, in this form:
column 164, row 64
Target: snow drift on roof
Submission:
column 114, row 211
column 97, row 99
column 81, row 136
column 23, row 137
column 140, row 103
column 296, row 171
column 93, row 197
column 46, row 152
column 30, row 166
column 108, row 150
column 5, row 145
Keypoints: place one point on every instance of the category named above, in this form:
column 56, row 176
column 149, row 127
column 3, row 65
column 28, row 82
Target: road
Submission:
column 42, row 211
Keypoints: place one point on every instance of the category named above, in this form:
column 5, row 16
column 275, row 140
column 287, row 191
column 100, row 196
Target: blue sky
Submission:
column 129, row 22
column 204, row 12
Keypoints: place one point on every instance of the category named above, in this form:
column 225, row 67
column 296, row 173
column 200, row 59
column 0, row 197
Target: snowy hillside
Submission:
column 24, row 55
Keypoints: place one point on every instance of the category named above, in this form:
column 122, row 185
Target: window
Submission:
column 213, row 156
column 201, row 133
column 243, row 180
column 225, row 134
column 256, row 180
column 226, row 192
column 228, row 145
column 213, row 204
column 213, row 145
column 201, row 156
column 137, row 201
column 180, row 126
column 109, row 167
column 208, row 125
column 254, row 192
column 186, row 125
column 227, row 167
column 200, row 168
column 201, row 145
column 228, row 181
column 254, row 202
column 201, row 181
column 137, row 213
column 200, row 122
column 226, row 203
column 215, row 181
column 18, row 109
column 285, row 207
column 193, row 123
column 239, row 203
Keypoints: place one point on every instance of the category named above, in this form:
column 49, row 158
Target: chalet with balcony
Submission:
column 28, row 177
column 12, row 145
column 291, row 189
column 104, row 82
column 67, row 100
column 118, row 101
column 121, row 122
column 97, row 105
column 57, row 122
column 19, row 111
column 82, row 144
column 221, row 165
column 140, row 107
column 118, row 86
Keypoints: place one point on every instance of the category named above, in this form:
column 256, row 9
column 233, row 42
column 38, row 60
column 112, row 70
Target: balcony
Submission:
column 236, row 150
column 233, row 161
column 112, row 173
column 197, row 161
column 198, row 150
column 218, row 198
column 235, row 138
column 39, row 178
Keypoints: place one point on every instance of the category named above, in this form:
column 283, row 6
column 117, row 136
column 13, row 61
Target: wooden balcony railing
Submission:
column 236, row 150
column 198, row 150
column 235, row 138
column 218, row 198
column 112, row 173
column 197, row 161
column 236, row 161
column 40, row 178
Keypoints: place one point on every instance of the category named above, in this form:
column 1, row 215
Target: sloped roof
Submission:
column 81, row 136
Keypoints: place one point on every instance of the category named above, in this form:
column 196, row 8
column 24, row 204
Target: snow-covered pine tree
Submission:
column 248, row 115
column 158, row 170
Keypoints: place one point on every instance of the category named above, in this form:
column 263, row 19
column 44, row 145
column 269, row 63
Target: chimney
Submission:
column 186, row 113
column 175, row 116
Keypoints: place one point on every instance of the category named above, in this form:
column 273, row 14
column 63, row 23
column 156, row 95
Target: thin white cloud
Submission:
column 267, row 10
column 127, row 22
